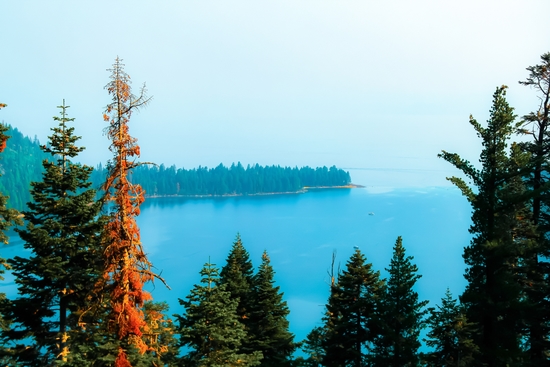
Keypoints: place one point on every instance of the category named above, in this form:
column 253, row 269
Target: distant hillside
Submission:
column 21, row 164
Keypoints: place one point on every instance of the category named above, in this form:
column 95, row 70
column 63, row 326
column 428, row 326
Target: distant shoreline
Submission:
column 302, row 191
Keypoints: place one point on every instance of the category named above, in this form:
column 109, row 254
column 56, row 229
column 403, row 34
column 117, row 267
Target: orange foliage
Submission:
column 126, row 265
column 156, row 325
column 121, row 360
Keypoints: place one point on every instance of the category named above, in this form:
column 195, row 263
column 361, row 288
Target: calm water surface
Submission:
column 300, row 233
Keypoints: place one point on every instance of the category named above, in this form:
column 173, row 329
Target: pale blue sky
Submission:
column 383, row 85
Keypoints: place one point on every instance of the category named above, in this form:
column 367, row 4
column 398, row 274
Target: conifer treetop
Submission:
column 210, row 325
column 402, row 314
column 62, row 141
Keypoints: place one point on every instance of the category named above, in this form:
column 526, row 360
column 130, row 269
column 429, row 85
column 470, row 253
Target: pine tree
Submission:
column 351, row 322
column 450, row 335
column 238, row 278
column 493, row 297
column 126, row 267
column 210, row 326
column 63, row 235
column 537, row 267
column 401, row 314
column 269, row 324
column 313, row 347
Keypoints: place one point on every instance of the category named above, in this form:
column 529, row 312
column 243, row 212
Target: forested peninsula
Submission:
column 22, row 164
column 233, row 180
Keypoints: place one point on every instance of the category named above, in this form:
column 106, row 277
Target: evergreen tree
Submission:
column 126, row 267
column 450, row 335
column 493, row 297
column 63, row 235
column 210, row 326
column 313, row 347
column 351, row 322
column 401, row 314
column 269, row 324
column 238, row 278
column 537, row 267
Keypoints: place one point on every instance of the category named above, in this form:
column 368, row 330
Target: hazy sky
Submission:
column 379, row 85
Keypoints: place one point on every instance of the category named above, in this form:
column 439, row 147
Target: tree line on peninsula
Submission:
column 81, row 300
column 23, row 156
column 233, row 180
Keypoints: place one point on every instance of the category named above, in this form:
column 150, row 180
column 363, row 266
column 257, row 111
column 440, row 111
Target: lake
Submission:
column 300, row 233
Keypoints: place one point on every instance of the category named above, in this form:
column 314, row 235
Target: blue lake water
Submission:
column 300, row 232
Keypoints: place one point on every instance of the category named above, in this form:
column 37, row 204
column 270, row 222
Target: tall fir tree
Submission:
column 493, row 297
column 238, row 277
column 63, row 236
column 210, row 326
column 450, row 335
column 351, row 324
column 269, row 325
column 401, row 314
column 126, row 267
column 536, row 264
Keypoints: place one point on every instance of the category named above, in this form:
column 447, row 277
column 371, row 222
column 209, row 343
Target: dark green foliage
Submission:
column 536, row 264
column 401, row 314
column 351, row 322
column 313, row 347
column 269, row 332
column 238, row 278
column 235, row 180
column 210, row 326
column 63, row 236
column 450, row 335
column 260, row 307
column 502, row 232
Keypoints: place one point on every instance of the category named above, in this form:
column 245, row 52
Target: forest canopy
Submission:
column 233, row 180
